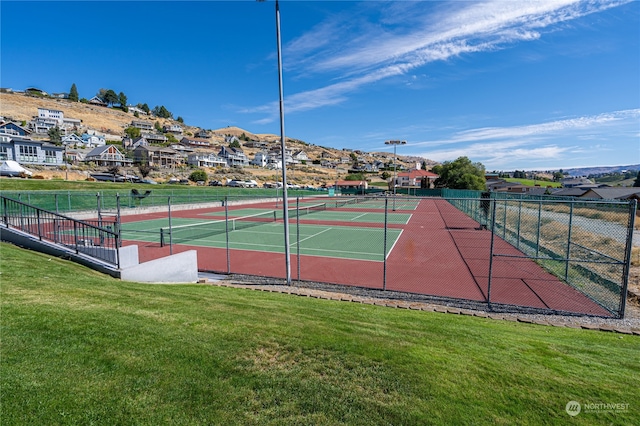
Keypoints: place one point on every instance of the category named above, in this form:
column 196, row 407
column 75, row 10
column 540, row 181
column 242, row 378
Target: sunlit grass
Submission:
column 82, row 348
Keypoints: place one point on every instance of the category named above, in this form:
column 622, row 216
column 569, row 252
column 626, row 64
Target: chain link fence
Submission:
column 492, row 250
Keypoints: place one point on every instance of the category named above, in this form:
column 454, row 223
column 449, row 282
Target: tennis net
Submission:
column 185, row 233
column 305, row 210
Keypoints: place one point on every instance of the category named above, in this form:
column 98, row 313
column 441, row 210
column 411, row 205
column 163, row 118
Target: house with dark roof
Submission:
column 234, row 156
column 29, row 151
column 612, row 193
column 195, row 142
column 108, row 156
column 11, row 128
column 157, row 156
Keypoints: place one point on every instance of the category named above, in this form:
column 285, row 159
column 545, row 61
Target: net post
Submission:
column 493, row 227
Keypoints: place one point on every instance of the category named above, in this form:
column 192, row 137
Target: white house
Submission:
column 206, row 160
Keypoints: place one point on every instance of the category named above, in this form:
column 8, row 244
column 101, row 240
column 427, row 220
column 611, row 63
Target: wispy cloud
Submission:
column 536, row 144
column 385, row 40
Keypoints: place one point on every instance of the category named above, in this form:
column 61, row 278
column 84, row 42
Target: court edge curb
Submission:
column 430, row 308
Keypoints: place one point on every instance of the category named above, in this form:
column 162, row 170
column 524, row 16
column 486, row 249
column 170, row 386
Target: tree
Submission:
column 144, row 107
column 122, row 99
column 145, row 169
column 460, row 174
column 235, row 144
column 385, row 175
column 157, row 126
column 424, row 165
column 108, row 96
column 636, row 183
column 55, row 135
column 73, row 93
column 132, row 132
column 180, row 119
column 162, row 112
column 198, row 175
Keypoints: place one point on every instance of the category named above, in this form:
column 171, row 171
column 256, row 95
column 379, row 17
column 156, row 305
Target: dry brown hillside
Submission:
column 112, row 122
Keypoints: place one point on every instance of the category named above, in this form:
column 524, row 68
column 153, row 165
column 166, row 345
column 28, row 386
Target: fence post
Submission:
column 384, row 248
column 226, row 226
column 118, row 222
column 298, row 234
column 627, row 258
column 493, row 223
column 566, row 268
column 38, row 223
column 519, row 220
column 539, row 228
column 75, row 235
column 170, row 228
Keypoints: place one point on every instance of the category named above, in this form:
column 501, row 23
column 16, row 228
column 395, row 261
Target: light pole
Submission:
column 395, row 143
column 285, row 203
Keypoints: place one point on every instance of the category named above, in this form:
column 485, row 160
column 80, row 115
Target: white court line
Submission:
column 394, row 244
column 311, row 236
column 358, row 217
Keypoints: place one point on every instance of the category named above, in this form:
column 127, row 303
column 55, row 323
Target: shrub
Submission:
column 198, row 175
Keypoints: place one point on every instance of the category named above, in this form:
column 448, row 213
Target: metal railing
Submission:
column 97, row 238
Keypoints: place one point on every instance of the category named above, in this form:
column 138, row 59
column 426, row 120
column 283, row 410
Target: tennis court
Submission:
column 259, row 230
column 427, row 247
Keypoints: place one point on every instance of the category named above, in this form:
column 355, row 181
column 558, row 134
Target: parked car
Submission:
column 215, row 183
column 149, row 181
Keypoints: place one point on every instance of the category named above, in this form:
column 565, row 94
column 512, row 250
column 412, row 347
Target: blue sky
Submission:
column 514, row 85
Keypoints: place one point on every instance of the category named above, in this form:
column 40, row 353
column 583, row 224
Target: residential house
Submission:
column 576, row 182
column 77, row 155
column 612, row 193
column 351, row 184
column 345, row 160
column 233, row 156
column 276, row 151
column 72, row 140
column 204, row 134
column 96, row 100
column 142, row 125
column 93, row 140
column 206, row 160
column 29, row 151
column 256, row 144
column 107, row 156
column 195, row 142
column 416, row 178
column 300, row 156
column 229, row 139
column 157, row 156
column 261, row 159
column 155, row 137
column 11, row 128
column 173, row 129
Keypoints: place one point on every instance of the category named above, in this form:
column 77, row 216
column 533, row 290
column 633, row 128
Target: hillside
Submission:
column 112, row 122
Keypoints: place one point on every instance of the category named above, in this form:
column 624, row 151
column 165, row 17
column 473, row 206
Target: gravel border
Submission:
column 629, row 325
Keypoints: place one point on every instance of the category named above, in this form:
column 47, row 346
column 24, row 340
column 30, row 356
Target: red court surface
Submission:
column 441, row 252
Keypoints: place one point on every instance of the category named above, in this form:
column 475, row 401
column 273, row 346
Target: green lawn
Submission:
column 531, row 182
column 82, row 348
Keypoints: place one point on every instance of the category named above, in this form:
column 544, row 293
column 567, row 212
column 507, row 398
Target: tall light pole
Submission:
column 285, row 203
column 395, row 143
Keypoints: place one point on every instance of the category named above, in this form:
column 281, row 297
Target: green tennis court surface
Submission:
column 342, row 242
column 325, row 215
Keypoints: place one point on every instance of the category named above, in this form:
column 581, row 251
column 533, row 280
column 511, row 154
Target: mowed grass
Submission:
column 82, row 348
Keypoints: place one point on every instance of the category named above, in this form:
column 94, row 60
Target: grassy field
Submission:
column 531, row 182
column 82, row 348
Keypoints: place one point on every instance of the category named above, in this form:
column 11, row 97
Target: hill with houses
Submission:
column 173, row 148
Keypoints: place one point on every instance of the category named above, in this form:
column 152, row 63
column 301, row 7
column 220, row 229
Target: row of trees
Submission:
column 111, row 98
